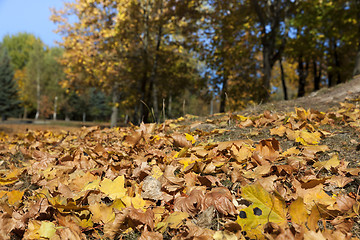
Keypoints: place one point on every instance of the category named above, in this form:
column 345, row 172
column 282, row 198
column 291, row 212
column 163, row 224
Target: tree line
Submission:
column 147, row 60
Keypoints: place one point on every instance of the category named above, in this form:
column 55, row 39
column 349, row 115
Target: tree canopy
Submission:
column 155, row 59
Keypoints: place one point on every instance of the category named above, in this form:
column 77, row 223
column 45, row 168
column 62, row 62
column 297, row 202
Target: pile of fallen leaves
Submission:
column 176, row 180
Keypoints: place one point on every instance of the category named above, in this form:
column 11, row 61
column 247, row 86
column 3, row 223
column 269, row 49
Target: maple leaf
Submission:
column 190, row 204
column 333, row 162
column 14, row 196
column 264, row 208
column 221, row 199
column 113, row 188
column 298, row 212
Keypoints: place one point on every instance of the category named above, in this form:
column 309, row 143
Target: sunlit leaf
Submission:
column 114, row 189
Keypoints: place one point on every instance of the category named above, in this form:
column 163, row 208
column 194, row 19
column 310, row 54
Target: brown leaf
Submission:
column 146, row 235
column 190, row 204
column 7, row 225
column 70, row 229
column 269, row 149
column 339, row 181
column 169, row 181
column 221, row 199
column 180, row 140
column 195, row 232
column 344, row 203
column 133, row 138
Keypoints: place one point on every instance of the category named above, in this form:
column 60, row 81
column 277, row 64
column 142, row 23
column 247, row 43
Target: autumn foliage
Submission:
column 176, row 180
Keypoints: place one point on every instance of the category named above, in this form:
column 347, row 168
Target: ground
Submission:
column 213, row 176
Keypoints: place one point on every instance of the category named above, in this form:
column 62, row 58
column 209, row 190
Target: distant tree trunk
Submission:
column 357, row 59
column 303, row 71
column 267, row 66
column 115, row 106
column 317, row 75
column 283, row 80
column 25, row 112
column 169, row 111
column 337, row 64
column 153, row 78
column 55, row 108
column 38, row 93
column 223, row 92
column 357, row 62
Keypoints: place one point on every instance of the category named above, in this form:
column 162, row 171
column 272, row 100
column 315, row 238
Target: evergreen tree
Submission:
column 9, row 102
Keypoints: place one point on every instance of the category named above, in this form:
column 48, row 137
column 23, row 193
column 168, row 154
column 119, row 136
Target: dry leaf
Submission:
column 190, row 204
column 221, row 199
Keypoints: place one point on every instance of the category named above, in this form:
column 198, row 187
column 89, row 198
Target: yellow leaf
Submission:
column 297, row 211
column 114, row 189
column 47, row 229
column 186, row 162
column 190, row 138
column 118, row 204
column 156, row 171
column 137, row 202
column 94, row 185
column 175, row 219
column 3, row 193
column 265, row 208
column 11, row 177
column 14, row 196
column 280, row 131
column 101, row 213
column 307, row 138
column 333, row 162
column 86, row 223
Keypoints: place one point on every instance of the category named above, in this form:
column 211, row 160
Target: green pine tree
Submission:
column 9, row 103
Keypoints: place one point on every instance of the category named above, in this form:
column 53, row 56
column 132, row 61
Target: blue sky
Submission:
column 30, row 16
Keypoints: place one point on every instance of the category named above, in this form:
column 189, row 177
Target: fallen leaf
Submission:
column 298, row 212
column 47, row 229
column 221, row 199
column 14, row 196
column 190, row 204
column 264, row 208
column 114, row 189
column 333, row 162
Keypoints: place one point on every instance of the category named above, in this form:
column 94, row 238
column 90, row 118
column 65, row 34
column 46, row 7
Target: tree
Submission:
column 19, row 47
column 35, row 70
column 271, row 16
column 9, row 103
column 119, row 46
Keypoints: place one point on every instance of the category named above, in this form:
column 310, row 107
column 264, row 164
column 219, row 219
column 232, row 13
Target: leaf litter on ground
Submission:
column 267, row 176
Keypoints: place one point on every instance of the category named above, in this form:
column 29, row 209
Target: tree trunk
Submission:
column 267, row 73
column 169, row 112
column 223, row 92
column 25, row 112
column 357, row 62
column 357, row 59
column 55, row 108
column 38, row 94
column 153, row 78
column 317, row 75
column 337, row 64
column 283, row 80
column 115, row 106
column 303, row 70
